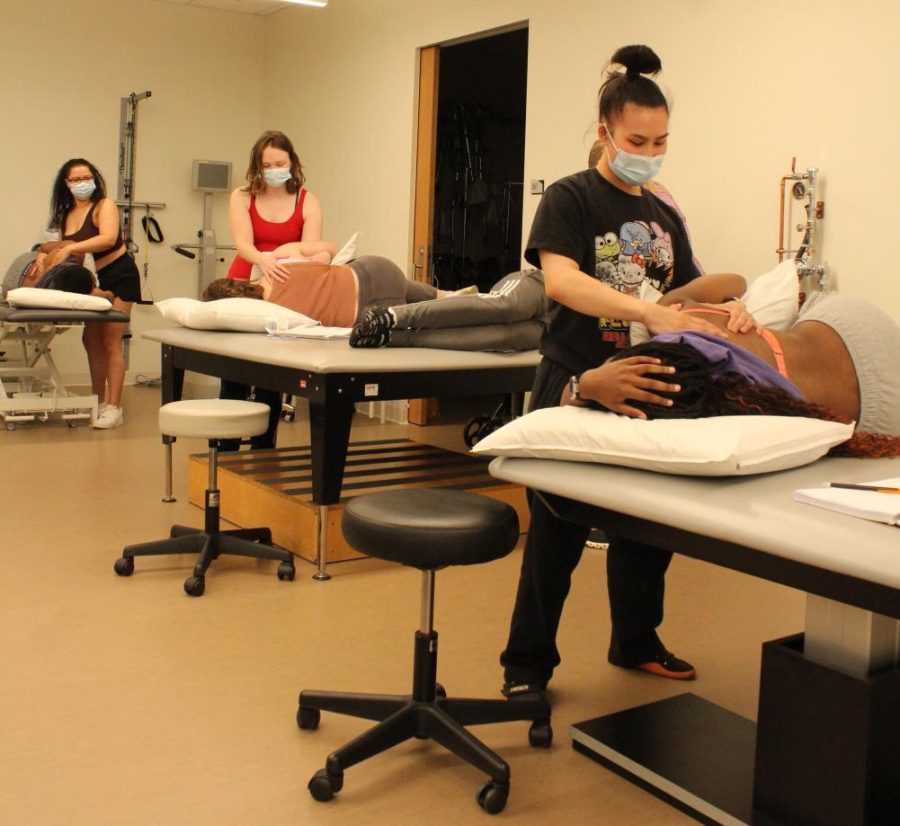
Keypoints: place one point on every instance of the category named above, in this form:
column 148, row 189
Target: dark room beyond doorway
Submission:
column 477, row 233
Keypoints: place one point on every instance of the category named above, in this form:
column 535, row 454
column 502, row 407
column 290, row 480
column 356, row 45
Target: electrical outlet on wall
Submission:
column 537, row 186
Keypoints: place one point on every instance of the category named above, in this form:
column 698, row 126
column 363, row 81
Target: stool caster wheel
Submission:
column 194, row 586
column 308, row 718
column 286, row 571
column 124, row 566
column 540, row 735
column 439, row 690
column 324, row 786
column 492, row 797
column 476, row 429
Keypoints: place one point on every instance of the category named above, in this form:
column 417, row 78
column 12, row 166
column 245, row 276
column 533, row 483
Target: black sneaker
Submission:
column 374, row 330
column 664, row 664
column 511, row 690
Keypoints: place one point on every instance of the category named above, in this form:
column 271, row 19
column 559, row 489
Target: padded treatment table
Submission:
column 826, row 747
column 30, row 384
column 333, row 377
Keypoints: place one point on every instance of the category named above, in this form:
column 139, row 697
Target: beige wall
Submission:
column 753, row 84
column 65, row 67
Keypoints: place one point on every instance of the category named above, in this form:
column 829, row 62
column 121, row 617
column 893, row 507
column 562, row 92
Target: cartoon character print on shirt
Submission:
column 638, row 252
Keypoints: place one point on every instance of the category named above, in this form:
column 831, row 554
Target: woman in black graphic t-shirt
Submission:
column 597, row 236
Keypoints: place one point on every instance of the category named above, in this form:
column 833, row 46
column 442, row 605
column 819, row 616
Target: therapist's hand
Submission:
column 57, row 256
column 275, row 271
column 739, row 318
column 660, row 319
column 636, row 378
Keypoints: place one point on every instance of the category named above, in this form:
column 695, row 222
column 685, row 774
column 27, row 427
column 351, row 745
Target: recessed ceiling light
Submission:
column 318, row 3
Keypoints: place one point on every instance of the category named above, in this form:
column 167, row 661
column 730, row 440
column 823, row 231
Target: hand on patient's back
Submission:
column 636, row 378
column 669, row 319
column 739, row 318
column 273, row 269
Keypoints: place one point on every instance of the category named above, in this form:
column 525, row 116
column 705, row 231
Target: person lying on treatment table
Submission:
column 334, row 294
column 839, row 362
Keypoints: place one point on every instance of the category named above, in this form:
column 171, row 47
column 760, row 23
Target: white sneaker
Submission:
column 109, row 418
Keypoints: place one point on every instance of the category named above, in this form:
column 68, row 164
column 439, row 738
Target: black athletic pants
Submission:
column 553, row 548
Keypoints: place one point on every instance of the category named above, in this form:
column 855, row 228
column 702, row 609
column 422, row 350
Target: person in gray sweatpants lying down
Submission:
column 510, row 317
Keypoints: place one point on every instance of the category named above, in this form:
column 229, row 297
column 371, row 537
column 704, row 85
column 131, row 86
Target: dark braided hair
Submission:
column 732, row 394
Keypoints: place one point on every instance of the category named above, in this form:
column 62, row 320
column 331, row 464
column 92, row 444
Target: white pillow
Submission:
column 720, row 446
column 245, row 315
column 347, row 252
column 55, row 299
column 773, row 297
column 177, row 310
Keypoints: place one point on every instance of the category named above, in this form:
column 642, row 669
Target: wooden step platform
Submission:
column 273, row 488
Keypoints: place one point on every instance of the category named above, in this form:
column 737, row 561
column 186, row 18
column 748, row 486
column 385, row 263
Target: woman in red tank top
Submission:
column 273, row 208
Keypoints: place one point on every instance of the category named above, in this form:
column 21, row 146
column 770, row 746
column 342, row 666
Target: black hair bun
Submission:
column 637, row 60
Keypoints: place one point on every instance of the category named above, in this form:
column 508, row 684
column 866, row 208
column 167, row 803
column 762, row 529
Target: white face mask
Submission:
column 83, row 189
column 634, row 169
column 277, row 177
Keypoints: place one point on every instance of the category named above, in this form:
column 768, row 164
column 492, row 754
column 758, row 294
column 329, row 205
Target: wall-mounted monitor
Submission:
column 212, row 176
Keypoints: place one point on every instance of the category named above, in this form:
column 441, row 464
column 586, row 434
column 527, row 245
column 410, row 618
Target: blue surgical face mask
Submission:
column 634, row 169
column 277, row 177
column 83, row 189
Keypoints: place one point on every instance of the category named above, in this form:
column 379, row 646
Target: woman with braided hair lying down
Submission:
column 839, row 361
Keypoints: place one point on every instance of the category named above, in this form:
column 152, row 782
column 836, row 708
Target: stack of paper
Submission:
column 882, row 504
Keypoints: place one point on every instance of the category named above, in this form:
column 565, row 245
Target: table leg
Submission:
column 171, row 386
column 850, row 639
column 329, row 426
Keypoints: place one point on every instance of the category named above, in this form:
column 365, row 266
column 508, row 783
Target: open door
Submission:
column 421, row 410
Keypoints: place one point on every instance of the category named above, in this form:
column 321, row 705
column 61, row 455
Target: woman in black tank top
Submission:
column 88, row 222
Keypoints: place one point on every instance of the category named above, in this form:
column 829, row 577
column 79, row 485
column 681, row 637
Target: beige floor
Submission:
column 123, row 701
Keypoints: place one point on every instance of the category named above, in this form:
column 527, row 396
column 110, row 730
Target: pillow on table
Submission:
column 719, row 446
column 773, row 298
column 243, row 315
column 55, row 299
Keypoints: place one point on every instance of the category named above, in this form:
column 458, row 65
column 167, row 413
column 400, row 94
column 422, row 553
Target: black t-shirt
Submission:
column 619, row 239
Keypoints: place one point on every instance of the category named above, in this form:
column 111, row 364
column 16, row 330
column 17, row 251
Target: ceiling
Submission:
column 256, row 7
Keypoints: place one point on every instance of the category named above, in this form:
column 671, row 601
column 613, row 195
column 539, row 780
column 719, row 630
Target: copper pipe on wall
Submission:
column 792, row 177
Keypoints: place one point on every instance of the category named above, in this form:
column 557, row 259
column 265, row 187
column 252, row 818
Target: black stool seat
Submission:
column 426, row 529
column 430, row 528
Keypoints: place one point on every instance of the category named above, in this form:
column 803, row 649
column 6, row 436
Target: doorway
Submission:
column 479, row 161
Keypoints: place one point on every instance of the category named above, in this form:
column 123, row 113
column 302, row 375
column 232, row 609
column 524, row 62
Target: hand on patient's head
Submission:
column 620, row 384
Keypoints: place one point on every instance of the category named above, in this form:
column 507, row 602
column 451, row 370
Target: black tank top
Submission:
column 89, row 230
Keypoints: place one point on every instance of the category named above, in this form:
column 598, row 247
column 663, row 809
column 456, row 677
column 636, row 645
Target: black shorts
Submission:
column 121, row 278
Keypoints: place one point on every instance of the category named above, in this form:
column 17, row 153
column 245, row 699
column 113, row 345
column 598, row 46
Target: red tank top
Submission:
column 268, row 235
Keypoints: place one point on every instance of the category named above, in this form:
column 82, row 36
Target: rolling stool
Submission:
column 426, row 529
column 211, row 419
